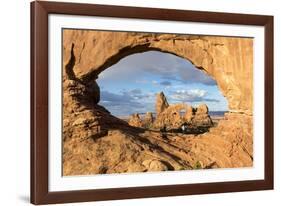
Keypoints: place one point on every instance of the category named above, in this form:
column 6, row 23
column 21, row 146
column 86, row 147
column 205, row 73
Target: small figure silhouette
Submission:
column 184, row 128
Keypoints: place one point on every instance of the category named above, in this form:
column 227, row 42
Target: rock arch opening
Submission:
column 129, row 88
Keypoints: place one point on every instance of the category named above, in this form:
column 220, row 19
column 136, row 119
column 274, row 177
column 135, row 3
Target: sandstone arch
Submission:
column 228, row 60
column 93, row 130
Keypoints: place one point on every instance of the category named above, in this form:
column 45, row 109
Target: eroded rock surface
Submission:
column 148, row 120
column 135, row 120
column 171, row 117
column 161, row 103
column 189, row 113
column 201, row 117
column 82, row 117
column 175, row 115
column 228, row 60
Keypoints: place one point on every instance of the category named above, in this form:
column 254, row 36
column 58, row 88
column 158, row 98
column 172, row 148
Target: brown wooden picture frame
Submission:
column 39, row 102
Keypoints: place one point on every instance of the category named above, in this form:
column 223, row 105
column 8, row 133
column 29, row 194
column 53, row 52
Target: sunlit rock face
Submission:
column 148, row 120
column 173, row 116
column 228, row 60
column 202, row 117
column 161, row 103
column 135, row 120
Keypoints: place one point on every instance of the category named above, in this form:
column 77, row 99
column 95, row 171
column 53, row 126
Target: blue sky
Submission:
column 130, row 85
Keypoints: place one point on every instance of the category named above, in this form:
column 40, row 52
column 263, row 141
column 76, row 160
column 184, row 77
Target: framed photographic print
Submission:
column 131, row 102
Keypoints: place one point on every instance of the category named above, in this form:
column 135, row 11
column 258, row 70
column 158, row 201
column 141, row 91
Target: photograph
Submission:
column 142, row 102
column 131, row 102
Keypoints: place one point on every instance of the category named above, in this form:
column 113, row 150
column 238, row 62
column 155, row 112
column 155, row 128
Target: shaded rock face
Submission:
column 82, row 117
column 228, row 60
column 81, row 92
column 161, row 103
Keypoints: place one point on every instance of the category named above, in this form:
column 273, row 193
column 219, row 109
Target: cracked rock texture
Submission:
column 96, row 142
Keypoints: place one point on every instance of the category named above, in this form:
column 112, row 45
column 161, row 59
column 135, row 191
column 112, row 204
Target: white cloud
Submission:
column 155, row 82
column 195, row 95
column 127, row 101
